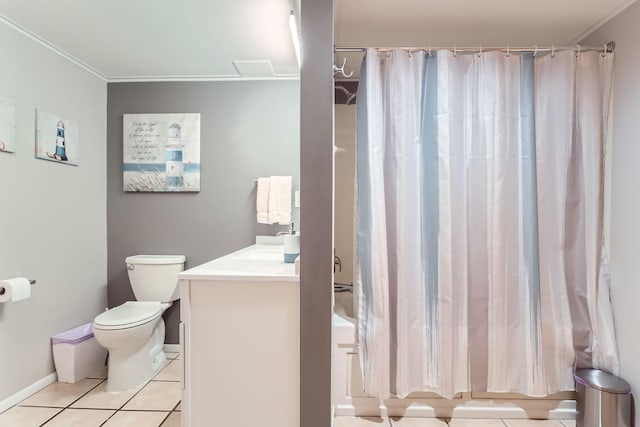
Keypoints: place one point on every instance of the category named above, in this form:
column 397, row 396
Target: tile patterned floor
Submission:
column 157, row 403
column 436, row 422
column 87, row 403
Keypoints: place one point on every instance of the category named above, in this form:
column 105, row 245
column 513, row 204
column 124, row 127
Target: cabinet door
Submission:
column 185, row 310
column 183, row 356
column 243, row 351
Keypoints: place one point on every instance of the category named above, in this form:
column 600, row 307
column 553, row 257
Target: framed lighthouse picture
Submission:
column 7, row 125
column 161, row 152
column 57, row 139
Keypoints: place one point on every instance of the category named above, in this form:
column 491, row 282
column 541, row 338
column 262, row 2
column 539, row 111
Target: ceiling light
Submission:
column 293, row 26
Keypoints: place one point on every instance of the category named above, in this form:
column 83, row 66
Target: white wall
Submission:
column 345, row 162
column 345, row 124
column 625, row 197
column 52, row 216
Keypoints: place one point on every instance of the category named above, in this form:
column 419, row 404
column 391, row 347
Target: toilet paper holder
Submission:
column 31, row 282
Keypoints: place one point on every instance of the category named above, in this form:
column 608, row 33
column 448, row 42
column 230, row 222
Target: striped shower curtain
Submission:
column 481, row 264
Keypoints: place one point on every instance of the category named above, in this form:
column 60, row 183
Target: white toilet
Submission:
column 133, row 332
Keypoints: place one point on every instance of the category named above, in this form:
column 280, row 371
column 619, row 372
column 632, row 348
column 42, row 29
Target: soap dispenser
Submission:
column 291, row 245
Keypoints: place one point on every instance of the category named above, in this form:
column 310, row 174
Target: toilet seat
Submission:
column 128, row 315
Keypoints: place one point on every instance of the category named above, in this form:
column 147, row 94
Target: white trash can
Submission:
column 76, row 354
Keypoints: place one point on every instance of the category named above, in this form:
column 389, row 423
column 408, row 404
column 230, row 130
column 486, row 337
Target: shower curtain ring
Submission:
column 578, row 51
column 553, row 51
column 480, row 54
column 429, row 53
column 455, row 51
column 604, row 50
column 508, row 54
column 535, row 50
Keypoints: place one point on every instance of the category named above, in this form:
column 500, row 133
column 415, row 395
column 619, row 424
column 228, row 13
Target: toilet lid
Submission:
column 129, row 313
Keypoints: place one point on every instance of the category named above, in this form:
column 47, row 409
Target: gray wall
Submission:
column 625, row 175
column 52, row 216
column 316, row 251
column 248, row 129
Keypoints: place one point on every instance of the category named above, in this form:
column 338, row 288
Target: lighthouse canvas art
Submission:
column 161, row 152
column 7, row 125
column 57, row 139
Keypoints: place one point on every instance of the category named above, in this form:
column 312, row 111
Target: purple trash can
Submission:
column 77, row 354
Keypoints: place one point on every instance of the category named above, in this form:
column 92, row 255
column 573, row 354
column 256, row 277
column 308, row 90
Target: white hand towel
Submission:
column 262, row 201
column 280, row 199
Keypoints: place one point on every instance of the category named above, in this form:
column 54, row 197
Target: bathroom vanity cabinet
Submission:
column 239, row 337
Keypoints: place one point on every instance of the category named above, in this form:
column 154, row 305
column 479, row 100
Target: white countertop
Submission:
column 260, row 262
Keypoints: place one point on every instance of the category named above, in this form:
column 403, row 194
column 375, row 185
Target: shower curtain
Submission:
column 481, row 264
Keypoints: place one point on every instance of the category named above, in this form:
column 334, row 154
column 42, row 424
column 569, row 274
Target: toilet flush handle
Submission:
column 131, row 267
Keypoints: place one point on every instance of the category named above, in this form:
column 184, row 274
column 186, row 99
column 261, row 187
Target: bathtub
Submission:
column 349, row 398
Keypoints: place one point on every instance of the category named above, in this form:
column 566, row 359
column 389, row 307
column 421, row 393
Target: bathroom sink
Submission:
column 261, row 256
column 260, row 263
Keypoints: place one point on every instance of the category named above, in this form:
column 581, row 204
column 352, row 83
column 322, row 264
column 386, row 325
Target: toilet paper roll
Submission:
column 15, row 289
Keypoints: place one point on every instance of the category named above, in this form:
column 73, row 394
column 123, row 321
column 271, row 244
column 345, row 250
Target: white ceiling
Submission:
column 469, row 22
column 200, row 39
column 160, row 39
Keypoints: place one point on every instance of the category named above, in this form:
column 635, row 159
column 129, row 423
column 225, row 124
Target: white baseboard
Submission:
column 171, row 348
column 481, row 409
column 27, row 391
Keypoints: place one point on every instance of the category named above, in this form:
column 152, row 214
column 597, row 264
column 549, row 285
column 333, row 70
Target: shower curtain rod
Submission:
column 607, row 48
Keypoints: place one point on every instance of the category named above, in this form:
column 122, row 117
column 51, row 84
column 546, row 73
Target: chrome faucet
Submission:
column 292, row 231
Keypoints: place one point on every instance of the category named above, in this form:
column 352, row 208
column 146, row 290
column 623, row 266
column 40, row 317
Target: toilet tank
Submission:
column 155, row 277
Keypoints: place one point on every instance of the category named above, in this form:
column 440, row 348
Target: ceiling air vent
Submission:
column 261, row 68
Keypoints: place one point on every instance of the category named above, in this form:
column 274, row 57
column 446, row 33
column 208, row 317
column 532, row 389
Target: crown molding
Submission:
column 600, row 22
column 184, row 78
column 188, row 78
column 55, row 49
